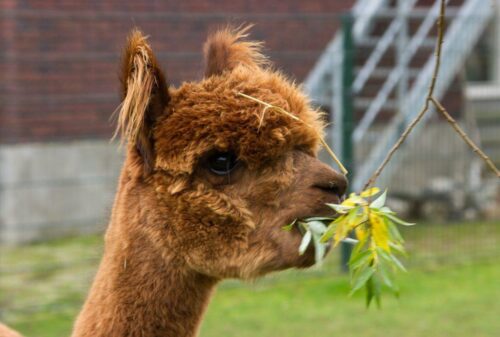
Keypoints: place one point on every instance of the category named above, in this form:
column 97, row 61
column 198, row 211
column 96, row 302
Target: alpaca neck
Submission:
column 139, row 293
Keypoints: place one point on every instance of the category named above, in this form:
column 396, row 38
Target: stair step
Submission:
column 490, row 134
column 486, row 117
column 363, row 103
column 383, row 72
column 371, row 42
column 415, row 13
column 493, row 153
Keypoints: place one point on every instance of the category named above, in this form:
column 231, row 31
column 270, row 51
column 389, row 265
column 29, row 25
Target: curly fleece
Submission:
column 211, row 115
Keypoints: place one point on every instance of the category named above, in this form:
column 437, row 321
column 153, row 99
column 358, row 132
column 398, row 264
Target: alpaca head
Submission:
column 224, row 174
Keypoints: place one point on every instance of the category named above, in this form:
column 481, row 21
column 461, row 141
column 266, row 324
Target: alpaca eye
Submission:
column 221, row 163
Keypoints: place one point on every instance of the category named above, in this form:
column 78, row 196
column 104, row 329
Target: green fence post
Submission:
column 347, row 119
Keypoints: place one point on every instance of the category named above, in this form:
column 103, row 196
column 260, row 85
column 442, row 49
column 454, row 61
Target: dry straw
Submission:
column 268, row 106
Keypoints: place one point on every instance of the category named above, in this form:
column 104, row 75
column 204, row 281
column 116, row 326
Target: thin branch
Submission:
column 464, row 136
column 430, row 93
column 396, row 146
column 439, row 45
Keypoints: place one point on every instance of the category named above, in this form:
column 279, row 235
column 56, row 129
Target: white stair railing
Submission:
column 384, row 43
column 316, row 83
column 462, row 35
column 324, row 83
column 396, row 73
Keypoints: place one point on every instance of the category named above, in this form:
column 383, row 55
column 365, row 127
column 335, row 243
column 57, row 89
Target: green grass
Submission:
column 459, row 301
column 451, row 290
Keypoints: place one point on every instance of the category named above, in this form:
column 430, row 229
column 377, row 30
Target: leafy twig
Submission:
column 377, row 242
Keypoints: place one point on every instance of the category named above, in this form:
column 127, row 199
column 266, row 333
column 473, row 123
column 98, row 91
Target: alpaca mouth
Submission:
column 308, row 257
column 328, row 244
column 301, row 230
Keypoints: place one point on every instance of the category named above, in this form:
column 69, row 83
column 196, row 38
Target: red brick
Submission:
column 59, row 58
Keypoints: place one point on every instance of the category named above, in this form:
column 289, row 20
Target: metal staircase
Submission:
column 391, row 78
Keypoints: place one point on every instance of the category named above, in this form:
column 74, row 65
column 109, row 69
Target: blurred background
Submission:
column 366, row 62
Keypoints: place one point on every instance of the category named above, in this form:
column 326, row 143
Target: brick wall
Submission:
column 59, row 59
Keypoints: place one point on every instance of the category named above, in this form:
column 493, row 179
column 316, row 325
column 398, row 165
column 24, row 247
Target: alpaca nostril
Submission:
column 341, row 184
column 331, row 188
column 337, row 186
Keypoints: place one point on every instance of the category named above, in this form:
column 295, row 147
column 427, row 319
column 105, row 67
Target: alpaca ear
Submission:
column 144, row 96
column 224, row 50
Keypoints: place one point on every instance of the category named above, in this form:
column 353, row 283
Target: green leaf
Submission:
column 385, row 274
column 399, row 248
column 319, row 218
column 354, row 218
column 394, row 232
column 340, row 208
column 391, row 259
column 380, row 201
column 329, row 233
column 397, row 263
column 350, row 241
column 356, row 251
column 360, row 245
column 316, row 227
column 305, row 242
column 380, row 232
column 378, row 292
column 373, row 291
column 383, row 254
column 398, row 220
column 290, row 226
column 332, row 228
column 361, row 278
column 370, row 291
column 360, row 259
column 354, row 200
column 302, row 226
column 369, row 192
column 386, row 210
column 319, row 249
column 344, row 227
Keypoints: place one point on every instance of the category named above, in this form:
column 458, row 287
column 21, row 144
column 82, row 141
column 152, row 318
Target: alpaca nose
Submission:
column 331, row 181
column 336, row 185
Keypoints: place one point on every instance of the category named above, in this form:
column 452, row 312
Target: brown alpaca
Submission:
column 209, row 180
column 6, row 332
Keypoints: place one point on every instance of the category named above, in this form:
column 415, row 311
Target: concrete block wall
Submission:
column 50, row 190
column 58, row 67
column 483, row 109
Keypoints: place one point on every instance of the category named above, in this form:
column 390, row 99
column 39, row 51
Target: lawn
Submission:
column 451, row 290
column 459, row 301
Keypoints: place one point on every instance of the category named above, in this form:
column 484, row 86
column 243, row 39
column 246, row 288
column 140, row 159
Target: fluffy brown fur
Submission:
column 178, row 227
column 225, row 50
column 6, row 332
column 144, row 93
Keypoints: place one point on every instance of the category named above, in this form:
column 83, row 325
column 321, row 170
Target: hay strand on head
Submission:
column 268, row 106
